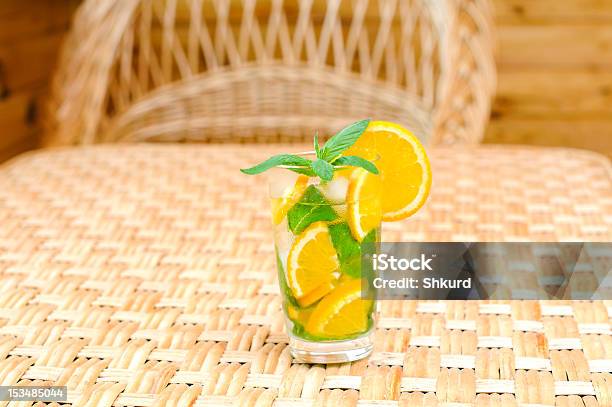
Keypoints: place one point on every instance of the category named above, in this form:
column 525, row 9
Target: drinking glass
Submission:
column 321, row 232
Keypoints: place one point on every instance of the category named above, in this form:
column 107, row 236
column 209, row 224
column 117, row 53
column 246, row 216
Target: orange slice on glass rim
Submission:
column 363, row 203
column 403, row 164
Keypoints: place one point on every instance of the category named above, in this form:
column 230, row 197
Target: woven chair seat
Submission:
column 144, row 275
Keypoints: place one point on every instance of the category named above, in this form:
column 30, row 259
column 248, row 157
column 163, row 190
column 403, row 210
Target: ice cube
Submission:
column 281, row 185
column 283, row 236
column 335, row 190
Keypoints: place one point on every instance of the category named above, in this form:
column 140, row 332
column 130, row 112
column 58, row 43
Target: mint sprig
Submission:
column 329, row 157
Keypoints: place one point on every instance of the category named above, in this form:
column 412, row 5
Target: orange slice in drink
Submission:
column 403, row 165
column 341, row 313
column 363, row 203
column 280, row 206
column 315, row 294
column 311, row 262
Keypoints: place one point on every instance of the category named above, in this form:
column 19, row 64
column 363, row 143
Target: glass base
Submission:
column 331, row 351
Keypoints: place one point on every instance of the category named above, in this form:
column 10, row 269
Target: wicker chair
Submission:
column 271, row 70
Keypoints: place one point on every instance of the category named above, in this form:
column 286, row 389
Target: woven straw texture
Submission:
column 272, row 70
column 144, row 275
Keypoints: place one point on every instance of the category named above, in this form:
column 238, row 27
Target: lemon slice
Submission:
column 341, row 313
column 364, row 203
column 280, row 206
column 311, row 263
column 403, row 165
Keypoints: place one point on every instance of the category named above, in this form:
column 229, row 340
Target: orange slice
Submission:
column 311, row 262
column 403, row 165
column 280, row 206
column 315, row 294
column 363, row 203
column 341, row 313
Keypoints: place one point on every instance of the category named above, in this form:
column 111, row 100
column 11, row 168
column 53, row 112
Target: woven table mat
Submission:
column 144, row 275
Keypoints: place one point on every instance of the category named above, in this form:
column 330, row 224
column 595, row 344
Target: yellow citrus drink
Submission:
column 327, row 207
column 320, row 230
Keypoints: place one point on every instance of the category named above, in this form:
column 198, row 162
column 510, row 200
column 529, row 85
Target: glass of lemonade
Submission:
column 321, row 229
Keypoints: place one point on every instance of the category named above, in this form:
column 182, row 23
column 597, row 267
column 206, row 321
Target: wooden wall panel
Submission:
column 555, row 93
column 554, row 74
column 555, row 46
column 552, row 11
column 30, row 36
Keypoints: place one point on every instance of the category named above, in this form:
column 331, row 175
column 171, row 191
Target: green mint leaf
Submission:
column 347, row 248
column 316, row 145
column 274, row 161
column 343, row 140
column 369, row 245
column 312, row 207
column 282, row 281
column 323, row 169
column 303, row 170
column 355, row 161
